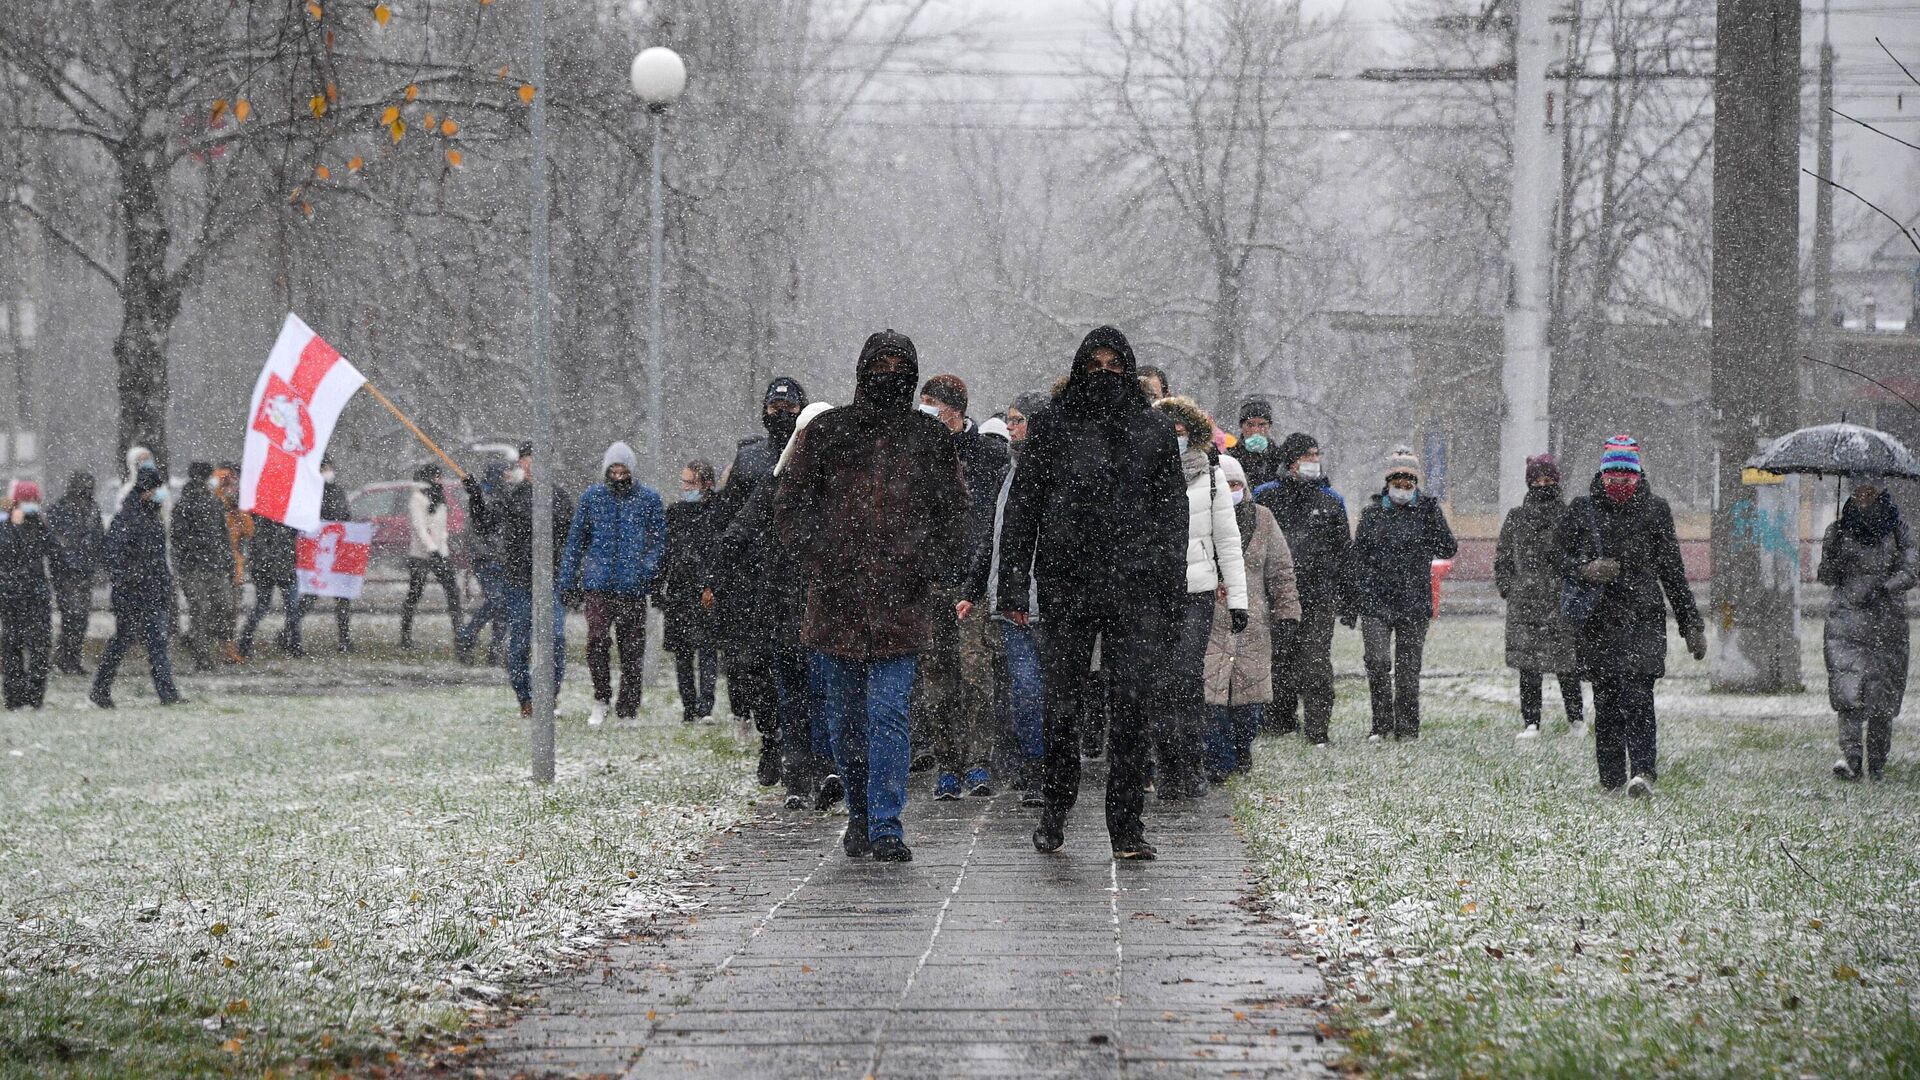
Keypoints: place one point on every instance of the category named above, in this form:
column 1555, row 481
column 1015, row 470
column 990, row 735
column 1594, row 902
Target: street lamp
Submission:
column 658, row 76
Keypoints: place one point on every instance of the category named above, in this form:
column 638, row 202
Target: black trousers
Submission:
column 802, row 763
column 1303, row 675
column 1394, row 653
column 26, row 646
column 751, row 691
column 418, row 570
column 697, row 668
column 1531, row 698
column 1181, row 711
column 1129, row 640
column 1623, row 728
column 74, row 599
column 342, row 617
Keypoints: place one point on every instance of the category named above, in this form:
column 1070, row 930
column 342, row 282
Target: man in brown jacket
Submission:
column 873, row 504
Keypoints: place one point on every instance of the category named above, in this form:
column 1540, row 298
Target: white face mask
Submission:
column 212, row 484
column 516, row 475
column 1310, row 470
column 29, row 508
column 1400, row 496
column 1239, row 496
column 1182, row 440
column 930, row 410
column 326, row 476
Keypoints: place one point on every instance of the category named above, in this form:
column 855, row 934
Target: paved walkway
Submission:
column 981, row 958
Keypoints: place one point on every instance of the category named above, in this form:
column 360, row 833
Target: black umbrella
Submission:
column 1837, row 450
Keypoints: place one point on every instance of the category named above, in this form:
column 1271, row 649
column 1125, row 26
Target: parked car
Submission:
column 385, row 504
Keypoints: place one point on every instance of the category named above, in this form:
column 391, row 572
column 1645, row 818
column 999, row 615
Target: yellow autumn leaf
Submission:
column 354, row 163
column 454, row 159
column 381, row 13
column 1469, row 907
column 242, row 109
column 228, row 961
column 307, row 209
column 449, row 128
column 397, row 129
column 526, row 93
column 321, row 172
column 313, row 9
column 325, row 942
column 219, row 110
column 318, row 105
column 390, row 115
column 415, row 898
column 413, row 92
column 427, row 121
column 231, row 1046
column 239, row 1006
column 218, row 929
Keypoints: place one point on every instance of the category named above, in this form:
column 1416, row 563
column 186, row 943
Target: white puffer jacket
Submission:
column 426, row 526
column 1213, row 536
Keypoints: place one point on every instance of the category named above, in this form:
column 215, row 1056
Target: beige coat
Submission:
column 1240, row 666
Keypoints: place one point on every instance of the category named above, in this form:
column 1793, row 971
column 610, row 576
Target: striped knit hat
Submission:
column 1403, row 462
column 1621, row 455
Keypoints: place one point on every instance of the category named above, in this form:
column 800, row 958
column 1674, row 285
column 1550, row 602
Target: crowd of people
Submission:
column 1094, row 571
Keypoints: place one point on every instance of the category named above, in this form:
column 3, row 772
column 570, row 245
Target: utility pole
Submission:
column 1535, row 186
column 1823, row 200
column 540, row 663
column 1754, row 360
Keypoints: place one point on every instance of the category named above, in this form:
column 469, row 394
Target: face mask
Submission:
column 1619, row 486
column 1400, row 496
column 158, row 495
column 1239, row 496
column 1257, row 444
column 930, row 410
column 1310, row 470
column 779, row 426
column 29, row 509
column 887, row 389
column 622, row 486
column 213, row 485
column 327, row 476
column 690, row 496
column 1111, row 390
column 516, row 475
column 1182, row 440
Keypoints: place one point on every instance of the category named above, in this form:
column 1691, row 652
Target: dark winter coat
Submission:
column 199, row 527
column 1389, row 568
column 736, row 574
column 1315, row 524
column 510, row 514
column 1099, row 504
column 778, row 596
column 1870, row 565
column 1261, row 468
column 875, row 509
column 1627, row 632
column 333, row 503
column 690, row 541
column 616, row 541
column 25, row 551
column 78, row 538
column 984, row 461
column 135, row 552
column 272, row 554
column 1526, row 570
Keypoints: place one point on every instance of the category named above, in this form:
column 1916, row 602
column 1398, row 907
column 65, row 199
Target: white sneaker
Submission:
column 599, row 714
column 1639, row 788
column 1376, row 738
column 1843, row 770
column 1531, row 731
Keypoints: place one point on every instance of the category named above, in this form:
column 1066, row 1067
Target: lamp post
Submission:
column 658, row 76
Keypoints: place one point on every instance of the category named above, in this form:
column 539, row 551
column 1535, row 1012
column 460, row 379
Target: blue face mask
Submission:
column 690, row 496
column 1257, row 444
column 1182, row 440
column 158, row 495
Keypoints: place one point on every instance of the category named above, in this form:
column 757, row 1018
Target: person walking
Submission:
column 204, row 561
column 1215, row 562
column 26, row 599
column 485, row 554
column 1239, row 664
column 429, row 550
column 1314, row 522
column 509, row 511
column 1868, row 560
column 1099, row 512
column 613, row 553
column 1526, row 571
column 272, row 563
column 1618, row 541
column 135, row 553
column 78, row 539
column 1389, row 588
column 1257, row 455
column 686, row 604
column 955, row 690
column 333, row 507
column 873, row 503
column 239, row 539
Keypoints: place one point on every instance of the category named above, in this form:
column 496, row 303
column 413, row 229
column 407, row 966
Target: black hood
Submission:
column 1085, row 394
column 1105, row 337
column 886, row 392
column 888, row 343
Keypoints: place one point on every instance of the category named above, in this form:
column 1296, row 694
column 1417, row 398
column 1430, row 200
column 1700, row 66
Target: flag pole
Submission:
column 417, row 433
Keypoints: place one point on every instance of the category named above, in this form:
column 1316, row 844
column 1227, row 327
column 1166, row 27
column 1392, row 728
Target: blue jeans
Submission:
column 865, row 706
column 1025, row 690
column 519, row 603
column 492, row 609
column 149, row 624
column 1229, row 736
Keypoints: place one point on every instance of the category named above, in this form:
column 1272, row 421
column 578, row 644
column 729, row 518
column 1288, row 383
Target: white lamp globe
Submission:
column 659, row 76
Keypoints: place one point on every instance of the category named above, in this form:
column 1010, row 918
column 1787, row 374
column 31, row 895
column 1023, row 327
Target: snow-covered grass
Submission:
column 1481, row 908
column 247, row 882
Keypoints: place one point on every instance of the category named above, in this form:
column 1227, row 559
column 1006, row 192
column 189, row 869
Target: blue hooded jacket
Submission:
column 617, row 541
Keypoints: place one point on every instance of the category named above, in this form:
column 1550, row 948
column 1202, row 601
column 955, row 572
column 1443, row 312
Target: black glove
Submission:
column 1349, row 621
column 474, row 491
column 1697, row 641
column 1239, row 620
column 573, row 598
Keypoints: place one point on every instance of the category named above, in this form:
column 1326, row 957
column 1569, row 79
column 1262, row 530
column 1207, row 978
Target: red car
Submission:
column 385, row 504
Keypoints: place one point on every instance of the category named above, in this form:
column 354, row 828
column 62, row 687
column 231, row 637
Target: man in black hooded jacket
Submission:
column 1099, row 510
column 78, row 539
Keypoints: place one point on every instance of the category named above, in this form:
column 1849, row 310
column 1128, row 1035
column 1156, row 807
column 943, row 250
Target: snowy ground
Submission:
column 1481, row 908
column 314, row 862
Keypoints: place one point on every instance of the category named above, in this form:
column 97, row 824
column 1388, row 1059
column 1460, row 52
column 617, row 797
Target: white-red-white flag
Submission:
column 332, row 561
column 296, row 401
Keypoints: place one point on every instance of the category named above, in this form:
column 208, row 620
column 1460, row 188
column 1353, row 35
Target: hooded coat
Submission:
column 1627, row 632
column 873, row 508
column 199, row 526
column 690, row 538
column 1240, row 666
column 1526, row 570
column 136, row 552
column 25, row 551
column 616, row 541
column 78, row 535
column 1389, row 568
column 1099, row 504
column 1315, row 524
column 1868, row 560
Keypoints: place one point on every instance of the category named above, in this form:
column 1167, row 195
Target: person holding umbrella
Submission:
column 1868, row 560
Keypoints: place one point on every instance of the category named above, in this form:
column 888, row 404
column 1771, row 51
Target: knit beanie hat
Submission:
column 23, row 491
column 1542, row 467
column 1256, row 408
column 787, row 390
column 1622, row 454
column 1296, row 446
column 1032, row 402
column 1403, row 462
column 948, row 390
column 1230, row 469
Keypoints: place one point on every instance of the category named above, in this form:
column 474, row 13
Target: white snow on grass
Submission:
column 1481, row 908
column 244, row 882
